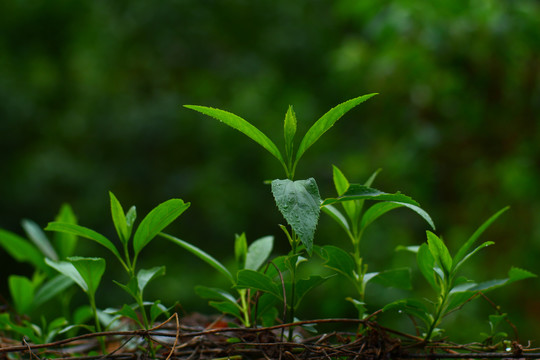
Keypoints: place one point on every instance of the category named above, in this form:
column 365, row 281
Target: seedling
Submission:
column 441, row 272
column 159, row 218
column 354, row 222
column 250, row 258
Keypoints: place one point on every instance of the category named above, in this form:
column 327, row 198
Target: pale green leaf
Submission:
column 86, row 233
column 69, row 270
column 37, row 236
column 289, row 130
column 51, row 288
column 144, row 276
column 426, row 264
column 90, row 269
column 337, row 216
column 258, row 252
column 440, row 252
column 299, row 202
column 249, row 279
column 362, row 192
column 240, row 250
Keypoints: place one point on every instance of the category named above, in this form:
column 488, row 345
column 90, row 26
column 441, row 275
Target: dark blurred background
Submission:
column 91, row 96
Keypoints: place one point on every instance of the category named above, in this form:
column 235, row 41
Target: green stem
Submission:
column 293, row 281
column 92, row 301
column 438, row 314
column 244, row 307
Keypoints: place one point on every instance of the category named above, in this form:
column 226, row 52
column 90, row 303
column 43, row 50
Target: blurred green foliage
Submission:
column 91, row 95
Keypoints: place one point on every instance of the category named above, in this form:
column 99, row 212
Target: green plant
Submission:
column 298, row 201
column 153, row 223
column 441, row 271
column 354, row 222
column 250, row 258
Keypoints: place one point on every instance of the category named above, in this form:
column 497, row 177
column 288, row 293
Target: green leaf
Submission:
column 397, row 278
column 22, row 293
column 462, row 252
column 326, row 122
column 90, row 269
column 86, row 233
column 227, row 307
column 240, row 250
column 342, row 184
column 27, row 331
column 440, row 252
column 258, row 252
column 303, row 286
column 158, row 219
column 379, row 209
column 119, row 219
column 359, row 305
column 337, row 216
column 249, row 279
column 514, row 274
column 412, row 307
column 65, row 243
column 69, row 270
column 339, row 260
column 130, row 313
column 299, row 202
column 37, row 236
column 289, row 130
column 241, row 125
column 21, row 249
column 156, row 310
column 144, row 276
column 52, row 288
column 201, row 255
column 362, row 192
column 426, row 264
column 131, row 287
column 456, row 266
column 215, row 294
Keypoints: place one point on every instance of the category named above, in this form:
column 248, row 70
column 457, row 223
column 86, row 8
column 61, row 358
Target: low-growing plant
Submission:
column 441, row 271
column 354, row 222
column 152, row 224
column 250, row 258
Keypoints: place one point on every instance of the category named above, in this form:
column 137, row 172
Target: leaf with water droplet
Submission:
column 299, row 202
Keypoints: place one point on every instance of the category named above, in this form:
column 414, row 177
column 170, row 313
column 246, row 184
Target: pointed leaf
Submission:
column 65, row 243
column 69, row 270
column 156, row 310
column 21, row 249
column 337, row 216
column 258, row 252
column 130, row 313
column 289, row 130
column 131, row 287
column 299, row 201
column 22, row 293
column 412, row 307
column 465, row 247
column 37, row 236
column 240, row 250
column 303, row 286
column 241, row 125
column 426, row 264
column 119, row 219
column 326, row 122
column 86, row 233
column 342, row 185
column 362, row 192
column 158, row 219
column 215, row 294
column 379, row 209
column 201, row 255
column 466, row 257
column 440, row 252
column 90, row 269
column 144, row 276
column 249, row 279
column 397, row 278
column 52, row 288
column 339, row 260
